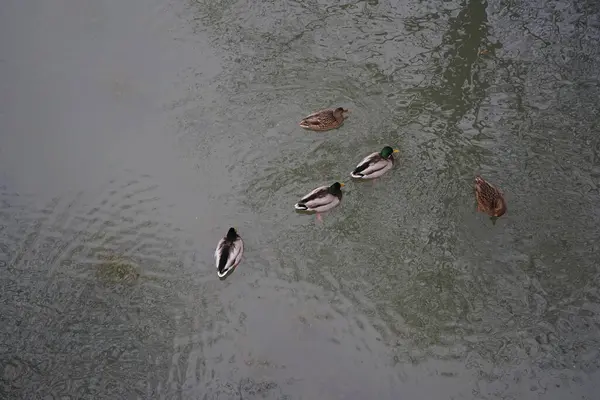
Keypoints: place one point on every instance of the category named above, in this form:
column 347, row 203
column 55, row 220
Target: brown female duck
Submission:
column 490, row 199
column 324, row 120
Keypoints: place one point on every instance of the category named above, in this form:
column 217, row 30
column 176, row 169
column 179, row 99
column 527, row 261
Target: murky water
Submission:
column 134, row 133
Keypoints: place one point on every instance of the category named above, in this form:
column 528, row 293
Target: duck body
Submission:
column 490, row 199
column 375, row 164
column 324, row 120
column 321, row 199
column 228, row 253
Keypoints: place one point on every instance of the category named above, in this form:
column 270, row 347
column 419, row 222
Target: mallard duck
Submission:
column 324, row 120
column 228, row 253
column 490, row 199
column 322, row 199
column 375, row 164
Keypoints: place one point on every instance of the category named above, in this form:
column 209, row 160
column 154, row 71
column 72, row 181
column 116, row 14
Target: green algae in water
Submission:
column 117, row 269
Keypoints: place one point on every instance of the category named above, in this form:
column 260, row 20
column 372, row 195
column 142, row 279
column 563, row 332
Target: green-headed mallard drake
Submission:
column 490, row 199
column 375, row 164
column 324, row 120
column 228, row 253
column 322, row 199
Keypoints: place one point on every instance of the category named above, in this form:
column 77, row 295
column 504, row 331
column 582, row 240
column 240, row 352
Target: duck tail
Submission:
column 300, row 206
column 221, row 274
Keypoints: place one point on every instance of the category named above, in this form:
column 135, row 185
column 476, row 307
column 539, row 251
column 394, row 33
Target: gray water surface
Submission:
column 133, row 134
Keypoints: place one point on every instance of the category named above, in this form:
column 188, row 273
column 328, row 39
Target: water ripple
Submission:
column 52, row 257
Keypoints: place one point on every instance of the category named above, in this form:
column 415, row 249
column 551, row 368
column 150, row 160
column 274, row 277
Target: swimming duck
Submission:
column 375, row 164
column 324, row 120
column 322, row 199
column 228, row 253
column 490, row 199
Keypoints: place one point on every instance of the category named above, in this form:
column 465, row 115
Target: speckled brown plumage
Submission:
column 324, row 120
column 490, row 199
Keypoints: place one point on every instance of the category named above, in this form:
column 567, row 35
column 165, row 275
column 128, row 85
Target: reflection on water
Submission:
column 137, row 132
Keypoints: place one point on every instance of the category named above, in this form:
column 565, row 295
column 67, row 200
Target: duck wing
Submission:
column 312, row 123
column 328, row 112
column 487, row 191
column 370, row 164
column 320, row 121
column 318, row 197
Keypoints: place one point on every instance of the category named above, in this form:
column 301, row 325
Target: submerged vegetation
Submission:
column 116, row 268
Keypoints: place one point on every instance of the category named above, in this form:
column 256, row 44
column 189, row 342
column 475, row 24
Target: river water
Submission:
column 133, row 134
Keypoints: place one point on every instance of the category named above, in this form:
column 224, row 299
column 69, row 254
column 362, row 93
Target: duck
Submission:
column 321, row 199
column 324, row 120
column 228, row 253
column 375, row 164
column 490, row 199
